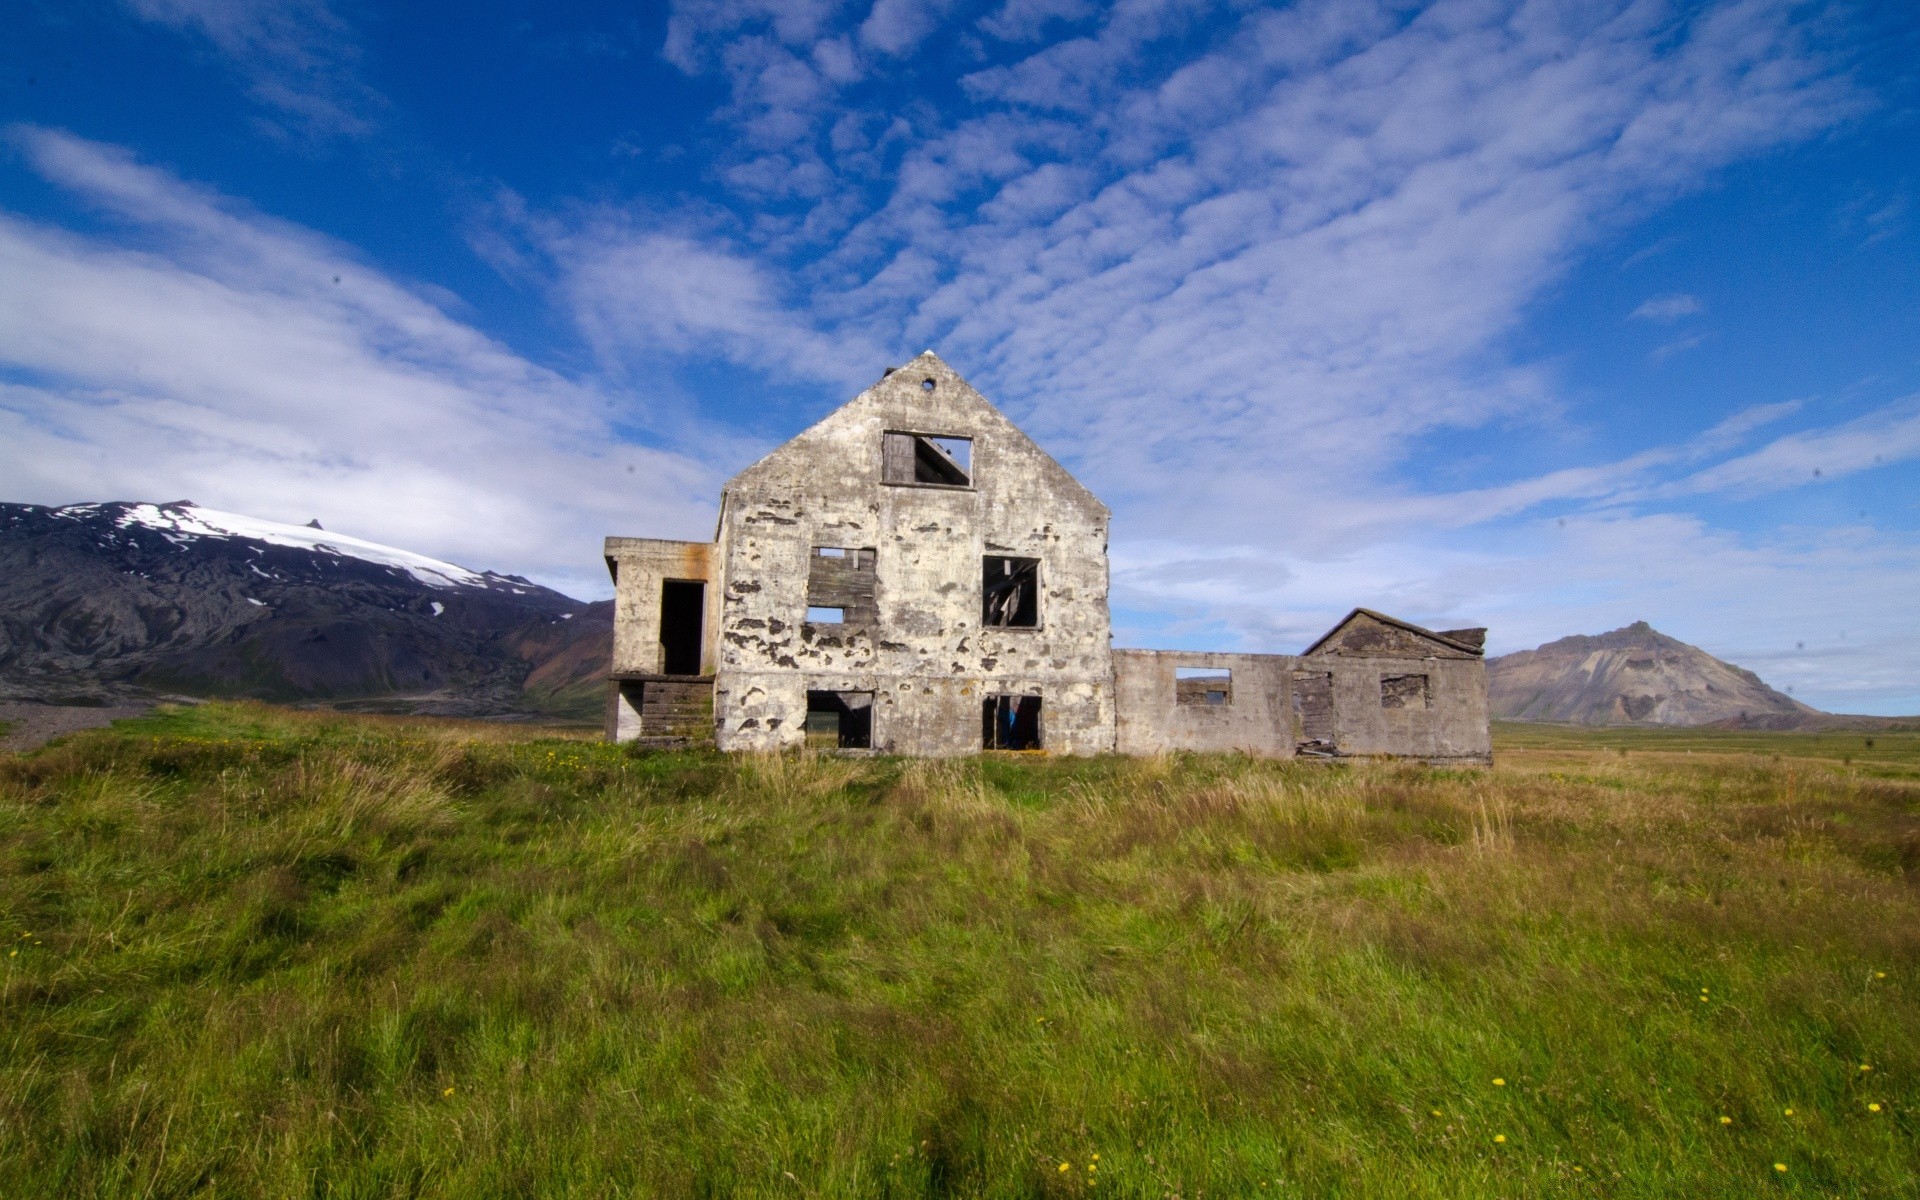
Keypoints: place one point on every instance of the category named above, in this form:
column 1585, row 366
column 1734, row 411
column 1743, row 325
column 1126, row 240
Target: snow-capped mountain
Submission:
column 107, row 600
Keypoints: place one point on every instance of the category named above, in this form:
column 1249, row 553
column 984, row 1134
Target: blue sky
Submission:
column 1548, row 317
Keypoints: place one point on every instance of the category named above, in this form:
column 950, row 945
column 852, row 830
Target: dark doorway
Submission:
column 1010, row 723
column 1010, row 592
column 683, row 615
column 1313, row 710
column 840, row 720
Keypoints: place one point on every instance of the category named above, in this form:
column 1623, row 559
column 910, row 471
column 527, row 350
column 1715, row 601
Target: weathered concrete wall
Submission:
column 1380, row 708
column 923, row 652
column 639, row 567
column 1153, row 716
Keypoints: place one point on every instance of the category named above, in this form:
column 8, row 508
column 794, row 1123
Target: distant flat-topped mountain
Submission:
column 1636, row 676
column 102, row 602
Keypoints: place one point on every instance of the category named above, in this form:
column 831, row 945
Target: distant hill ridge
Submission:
column 109, row 602
column 1637, row 675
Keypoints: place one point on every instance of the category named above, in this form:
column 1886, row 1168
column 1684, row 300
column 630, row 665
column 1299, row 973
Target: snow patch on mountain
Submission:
column 181, row 523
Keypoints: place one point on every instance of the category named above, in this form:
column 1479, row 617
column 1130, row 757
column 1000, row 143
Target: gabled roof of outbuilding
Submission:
column 1397, row 623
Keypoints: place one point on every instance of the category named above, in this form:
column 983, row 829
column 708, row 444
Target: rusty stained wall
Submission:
column 924, row 654
column 639, row 567
column 1363, row 654
column 1152, row 720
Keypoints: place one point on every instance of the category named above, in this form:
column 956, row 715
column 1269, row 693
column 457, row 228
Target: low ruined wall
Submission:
column 1157, row 712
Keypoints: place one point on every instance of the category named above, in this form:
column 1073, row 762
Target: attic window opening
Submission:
column 1404, row 691
column 1203, row 686
column 926, row 385
column 1010, row 592
column 930, row 460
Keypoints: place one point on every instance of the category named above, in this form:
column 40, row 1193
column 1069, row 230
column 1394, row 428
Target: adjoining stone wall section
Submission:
column 643, row 702
column 639, row 567
column 1152, row 720
column 1376, row 663
column 924, row 655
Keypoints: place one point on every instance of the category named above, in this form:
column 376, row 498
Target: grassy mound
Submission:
column 260, row 953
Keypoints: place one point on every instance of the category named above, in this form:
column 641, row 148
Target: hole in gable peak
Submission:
column 927, row 385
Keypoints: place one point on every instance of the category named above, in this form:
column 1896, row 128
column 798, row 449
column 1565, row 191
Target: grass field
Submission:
column 260, row 953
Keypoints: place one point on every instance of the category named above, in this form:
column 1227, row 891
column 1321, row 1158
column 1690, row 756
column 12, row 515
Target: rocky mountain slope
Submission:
column 107, row 602
column 1636, row 676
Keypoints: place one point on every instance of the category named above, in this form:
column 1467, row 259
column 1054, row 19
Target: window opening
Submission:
column 1010, row 723
column 840, row 582
column 683, row 617
column 1403, row 691
column 1010, row 592
column 926, row 385
column 1203, row 685
column 926, row 458
column 839, row 720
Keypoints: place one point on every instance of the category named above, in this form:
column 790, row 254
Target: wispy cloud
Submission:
column 1313, row 236
column 1667, row 308
column 248, row 364
column 297, row 56
column 1889, row 434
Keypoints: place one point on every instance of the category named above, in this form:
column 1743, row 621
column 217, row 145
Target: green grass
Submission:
column 261, row 953
column 1895, row 749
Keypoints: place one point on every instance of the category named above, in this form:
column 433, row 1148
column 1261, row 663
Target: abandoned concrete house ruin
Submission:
column 914, row 575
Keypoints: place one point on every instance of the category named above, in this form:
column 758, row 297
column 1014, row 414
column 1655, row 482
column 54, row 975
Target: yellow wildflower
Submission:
column 1500, row 1137
column 1873, row 1108
column 1789, row 1112
column 1726, row 1120
column 1066, row 1166
column 448, row 1092
column 1865, row 1067
column 1779, row 1166
column 1499, row 1083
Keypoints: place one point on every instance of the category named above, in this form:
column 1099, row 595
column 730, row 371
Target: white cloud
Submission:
column 1314, row 236
column 253, row 366
column 1667, row 308
column 298, row 56
column 897, row 26
column 658, row 294
column 1887, row 435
